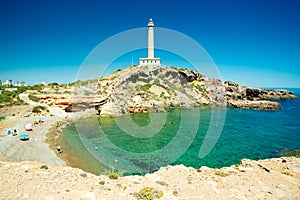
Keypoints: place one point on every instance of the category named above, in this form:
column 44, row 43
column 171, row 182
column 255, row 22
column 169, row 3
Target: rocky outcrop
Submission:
column 277, row 178
column 255, row 105
column 255, row 98
column 154, row 89
column 238, row 92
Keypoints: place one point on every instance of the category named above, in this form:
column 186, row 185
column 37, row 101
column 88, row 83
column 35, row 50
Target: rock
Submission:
column 88, row 196
column 244, row 169
column 230, row 83
column 265, row 168
column 246, row 163
column 255, row 105
column 153, row 177
column 205, row 169
column 25, row 168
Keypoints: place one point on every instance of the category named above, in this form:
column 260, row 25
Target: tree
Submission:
column 10, row 82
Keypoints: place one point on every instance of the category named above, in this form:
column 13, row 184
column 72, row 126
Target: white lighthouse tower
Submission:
column 150, row 60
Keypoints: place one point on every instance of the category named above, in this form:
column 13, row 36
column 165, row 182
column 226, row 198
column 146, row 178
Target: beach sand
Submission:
column 12, row 149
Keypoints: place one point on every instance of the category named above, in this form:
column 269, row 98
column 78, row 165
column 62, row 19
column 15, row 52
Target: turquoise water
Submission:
column 139, row 143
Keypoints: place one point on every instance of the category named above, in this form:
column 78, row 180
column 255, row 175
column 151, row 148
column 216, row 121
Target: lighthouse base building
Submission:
column 150, row 61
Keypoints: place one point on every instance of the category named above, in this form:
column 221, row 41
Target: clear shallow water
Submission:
column 246, row 134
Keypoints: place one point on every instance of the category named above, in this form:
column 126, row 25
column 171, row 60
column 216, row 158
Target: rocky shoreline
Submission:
column 155, row 89
column 276, row 178
column 255, row 98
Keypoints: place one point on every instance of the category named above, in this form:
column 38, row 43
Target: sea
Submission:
column 207, row 136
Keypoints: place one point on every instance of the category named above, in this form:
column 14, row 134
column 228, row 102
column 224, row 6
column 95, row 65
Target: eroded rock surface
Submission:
column 154, row 89
column 277, row 178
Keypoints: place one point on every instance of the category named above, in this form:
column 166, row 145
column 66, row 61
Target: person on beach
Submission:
column 8, row 132
column 15, row 132
column 41, row 122
column 59, row 149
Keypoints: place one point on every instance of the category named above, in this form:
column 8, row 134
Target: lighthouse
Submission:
column 150, row 60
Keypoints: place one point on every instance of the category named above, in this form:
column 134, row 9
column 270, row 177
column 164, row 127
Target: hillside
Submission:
column 154, row 89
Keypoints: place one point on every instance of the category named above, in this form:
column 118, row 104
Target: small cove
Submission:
column 246, row 134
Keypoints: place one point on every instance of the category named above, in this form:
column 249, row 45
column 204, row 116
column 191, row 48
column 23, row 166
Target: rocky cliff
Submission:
column 153, row 88
column 150, row 89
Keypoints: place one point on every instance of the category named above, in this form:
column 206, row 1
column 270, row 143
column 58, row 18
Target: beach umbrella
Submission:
column 28, row 127
column 24, row 137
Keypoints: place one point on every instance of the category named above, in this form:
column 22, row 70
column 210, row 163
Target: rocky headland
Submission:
column 154, row 89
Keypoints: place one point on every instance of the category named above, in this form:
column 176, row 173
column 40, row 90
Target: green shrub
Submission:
column 287, row 173
column 102, row 182
column 53, row 84
column 44, row 167
column 113, row 175
column 162, row 183
column 39, row 109
column 145, row 87
column 149, row 193
column 222, row 174
column 33, row 98
column 37, row 87
column 2, row 118
column 175, row 193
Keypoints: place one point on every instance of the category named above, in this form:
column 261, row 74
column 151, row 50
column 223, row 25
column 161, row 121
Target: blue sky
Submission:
column 253, row 42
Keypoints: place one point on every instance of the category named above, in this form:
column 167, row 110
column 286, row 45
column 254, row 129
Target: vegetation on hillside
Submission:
column 10, row 98
column 9, row 95
column 39, row 109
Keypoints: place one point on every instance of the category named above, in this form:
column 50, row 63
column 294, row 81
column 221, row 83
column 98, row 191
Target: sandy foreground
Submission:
column 35, row 149
column 277, row 178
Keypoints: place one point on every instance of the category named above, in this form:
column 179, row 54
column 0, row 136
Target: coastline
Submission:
column 51, row 140
column 55, row 138
column 71, row 158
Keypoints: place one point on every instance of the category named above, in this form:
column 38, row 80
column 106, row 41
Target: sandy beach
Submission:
column 12, row 149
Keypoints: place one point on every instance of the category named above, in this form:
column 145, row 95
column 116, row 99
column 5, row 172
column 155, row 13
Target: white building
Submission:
column 7, row 83
column 150, row 60
column 11, row 89
column 20, row 84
